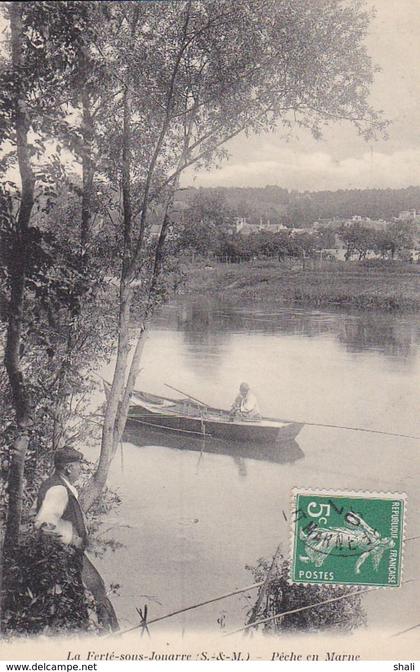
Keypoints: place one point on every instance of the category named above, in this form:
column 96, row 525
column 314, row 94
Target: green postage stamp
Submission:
column 353, row 538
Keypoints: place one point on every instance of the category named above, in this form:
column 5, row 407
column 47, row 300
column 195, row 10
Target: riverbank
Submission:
column 388, row 286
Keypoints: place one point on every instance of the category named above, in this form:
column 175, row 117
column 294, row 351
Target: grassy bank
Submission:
column 389, row 286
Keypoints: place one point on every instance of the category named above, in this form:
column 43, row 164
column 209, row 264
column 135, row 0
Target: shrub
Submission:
column 281, row 596
column 45, row 590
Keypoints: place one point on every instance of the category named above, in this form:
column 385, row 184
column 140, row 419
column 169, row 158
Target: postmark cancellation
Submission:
column 347, row 538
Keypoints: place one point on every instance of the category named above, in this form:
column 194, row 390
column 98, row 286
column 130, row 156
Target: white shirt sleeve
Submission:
column 52, row 508
column 250, row 404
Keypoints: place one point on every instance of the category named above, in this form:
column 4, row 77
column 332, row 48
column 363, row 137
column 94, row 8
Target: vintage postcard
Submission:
column 210, row 254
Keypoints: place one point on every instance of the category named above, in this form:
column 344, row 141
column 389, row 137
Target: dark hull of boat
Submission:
column 143, row 436
column 250, row 432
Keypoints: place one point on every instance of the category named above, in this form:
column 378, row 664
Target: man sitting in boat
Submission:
column 245, row 406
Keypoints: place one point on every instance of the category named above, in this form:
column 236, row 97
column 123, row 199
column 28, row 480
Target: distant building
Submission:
column 377, row 224
column 299, row 232
column 154, row 231
column 271, row 227
column 328, row 223
column 239, row 223
column 366, row 222
column 406, row 215
column 248, row 228
column 243, row 226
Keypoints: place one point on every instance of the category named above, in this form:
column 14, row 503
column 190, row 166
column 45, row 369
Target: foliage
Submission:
column 297, row 209
column 63, row 335
column 342, row 615
column 234, row 69
column 325, row 238
column 264, row 244
column 393, row 240
column 358, row 240
column 208, row 224
column 204, row 223
column 99, row 539
column 45, row 590
column 396, row 240
column 67, row 334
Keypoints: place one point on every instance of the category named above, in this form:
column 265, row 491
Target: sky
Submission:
column 343, row 160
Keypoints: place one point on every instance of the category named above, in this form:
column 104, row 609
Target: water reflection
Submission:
column 210, row 323
column 280, row 453
column 201, row 323
column 393, row 337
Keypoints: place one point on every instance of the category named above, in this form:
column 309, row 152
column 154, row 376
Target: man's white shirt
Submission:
column 52, row 508
column 249, row 404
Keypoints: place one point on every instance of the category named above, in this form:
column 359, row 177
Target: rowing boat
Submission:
column 189, row 418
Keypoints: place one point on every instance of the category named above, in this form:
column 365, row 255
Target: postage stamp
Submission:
column 353, row 538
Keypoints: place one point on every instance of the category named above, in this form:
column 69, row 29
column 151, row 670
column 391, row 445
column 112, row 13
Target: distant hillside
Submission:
column 302, row 208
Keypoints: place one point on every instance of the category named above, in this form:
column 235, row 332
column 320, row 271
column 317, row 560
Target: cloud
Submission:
column 317, row 171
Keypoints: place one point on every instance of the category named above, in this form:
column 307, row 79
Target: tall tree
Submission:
column 17, row 275
column 37, row 77
column 188, row 79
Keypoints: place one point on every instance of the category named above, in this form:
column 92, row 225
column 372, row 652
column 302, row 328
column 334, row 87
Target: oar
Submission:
column 202, row 403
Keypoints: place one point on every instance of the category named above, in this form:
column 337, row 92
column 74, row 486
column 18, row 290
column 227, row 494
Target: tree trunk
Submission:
column 119, row 395
column 142, row 333
column 96, row 484
column 129, row 387
column 98, row 481
column 17, row 270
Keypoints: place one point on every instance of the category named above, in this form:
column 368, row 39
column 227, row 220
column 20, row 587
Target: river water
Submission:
column 192, row 516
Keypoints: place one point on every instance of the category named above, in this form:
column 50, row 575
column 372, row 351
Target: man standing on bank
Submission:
column 60, row 516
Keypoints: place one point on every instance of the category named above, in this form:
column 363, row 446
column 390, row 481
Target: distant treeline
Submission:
column 294, row 208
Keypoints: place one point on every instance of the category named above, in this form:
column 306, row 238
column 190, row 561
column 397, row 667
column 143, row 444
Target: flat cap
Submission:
column 66, row 455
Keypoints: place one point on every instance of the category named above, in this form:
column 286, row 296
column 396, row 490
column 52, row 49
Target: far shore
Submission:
column 374, row 284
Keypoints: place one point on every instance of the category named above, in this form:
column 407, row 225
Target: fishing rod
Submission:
column 189, row 608
column 361, row 429
column 202, row 403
